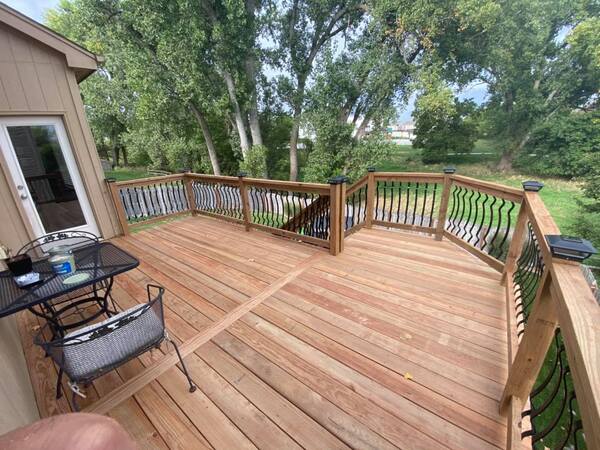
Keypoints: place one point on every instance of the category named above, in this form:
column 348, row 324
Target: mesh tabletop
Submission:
column 100, row 261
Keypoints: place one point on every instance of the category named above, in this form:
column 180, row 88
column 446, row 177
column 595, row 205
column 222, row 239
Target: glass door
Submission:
column 42, row 166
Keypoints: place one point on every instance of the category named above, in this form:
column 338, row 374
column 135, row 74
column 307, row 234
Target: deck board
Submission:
column 399, row 342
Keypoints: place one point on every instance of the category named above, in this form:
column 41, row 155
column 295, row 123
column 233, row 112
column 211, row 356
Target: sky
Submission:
column 32, row 8
column 37, row 8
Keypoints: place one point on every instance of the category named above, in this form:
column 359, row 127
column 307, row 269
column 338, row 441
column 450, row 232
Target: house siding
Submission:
column 35, row 80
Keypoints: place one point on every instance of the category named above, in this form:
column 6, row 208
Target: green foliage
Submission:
column 255, row 163
column 336, row 152
column 443, row 124
column 566, row 146
column 517, row 49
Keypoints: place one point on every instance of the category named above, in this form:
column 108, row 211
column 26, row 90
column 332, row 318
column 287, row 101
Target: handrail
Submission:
column 563, row 315
column 548, row 299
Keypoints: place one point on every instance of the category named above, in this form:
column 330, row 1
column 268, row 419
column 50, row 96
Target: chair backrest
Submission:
column 91, row 351
column 42, row 244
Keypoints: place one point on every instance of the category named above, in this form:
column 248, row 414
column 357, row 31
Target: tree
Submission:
column 518, row 49
column 443, row 124
column 303, row 29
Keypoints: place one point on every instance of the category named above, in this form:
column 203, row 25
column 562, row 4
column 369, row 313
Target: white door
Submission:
column 43, row 169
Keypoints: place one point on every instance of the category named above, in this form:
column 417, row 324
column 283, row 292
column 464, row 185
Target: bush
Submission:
column 255, row 163
column 564, row 146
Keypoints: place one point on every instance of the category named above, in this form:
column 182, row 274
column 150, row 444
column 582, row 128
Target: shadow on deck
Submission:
column 400, row 341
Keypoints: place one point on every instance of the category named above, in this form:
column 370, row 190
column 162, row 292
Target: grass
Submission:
column 558, row 195
column 127, row 173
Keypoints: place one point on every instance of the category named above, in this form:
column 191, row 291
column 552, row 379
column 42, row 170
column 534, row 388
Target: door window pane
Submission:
column 47, row 176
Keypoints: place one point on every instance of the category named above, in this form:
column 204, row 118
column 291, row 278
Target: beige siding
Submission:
column 35, row 80
column 17, row 403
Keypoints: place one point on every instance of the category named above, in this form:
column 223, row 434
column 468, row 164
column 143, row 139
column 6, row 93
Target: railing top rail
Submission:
column 213, row 178
column 410, row 176
column 149, row 180
column 318, row 188
column 357, row 185
column 500, row 190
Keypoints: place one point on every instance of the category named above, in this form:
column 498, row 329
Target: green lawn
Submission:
column 127, row 173
column 558, row 195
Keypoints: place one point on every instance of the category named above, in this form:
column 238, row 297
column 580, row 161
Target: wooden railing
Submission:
column 554, row 378
column 307, row 212
column 553, row 317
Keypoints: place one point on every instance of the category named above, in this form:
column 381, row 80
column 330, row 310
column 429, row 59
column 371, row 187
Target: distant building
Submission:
column 401, row 134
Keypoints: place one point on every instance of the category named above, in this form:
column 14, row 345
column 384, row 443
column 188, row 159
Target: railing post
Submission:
column 245, row 202
column 518, row 236
column 336, row 214
column 371, row 188
column 189, row 192
column 534, row 346
column 114, row 192
column 439, row 230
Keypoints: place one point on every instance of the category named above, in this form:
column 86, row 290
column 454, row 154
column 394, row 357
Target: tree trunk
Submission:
column 294, row 145
column 362, row 128
column 212, row 151
column 115, row 152
column 124, row 154
column 239, row 120
column 506, row 161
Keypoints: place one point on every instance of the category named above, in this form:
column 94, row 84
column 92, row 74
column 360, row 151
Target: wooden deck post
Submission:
column 245, row 202
column 371, row 188
column 189, row 192
column 516, row 243
column 114, row 192
column 518, row 236
column 439, row 230
column 534, row 346
column 336, row 214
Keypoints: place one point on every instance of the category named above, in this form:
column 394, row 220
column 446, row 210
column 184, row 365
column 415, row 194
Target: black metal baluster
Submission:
column 407, row 202
column 400, row 219
column 435, row 188
column 416, row 201
column 423, row 201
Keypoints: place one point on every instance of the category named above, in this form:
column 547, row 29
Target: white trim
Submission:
column 18, row 178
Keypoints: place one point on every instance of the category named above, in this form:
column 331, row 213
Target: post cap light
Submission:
column 533, row 186
column 242, row 174
column 450, row 170
column 371, row 169
column 570, row 247
column 340, row 179
column 110, row 179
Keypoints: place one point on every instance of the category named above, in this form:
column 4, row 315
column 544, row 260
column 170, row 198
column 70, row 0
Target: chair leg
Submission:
column 192, row 385
column 59, row 384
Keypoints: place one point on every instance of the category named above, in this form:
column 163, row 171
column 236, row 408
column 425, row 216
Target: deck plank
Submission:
column 398, row 342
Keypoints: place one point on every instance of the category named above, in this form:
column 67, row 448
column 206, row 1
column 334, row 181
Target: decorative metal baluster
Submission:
column 391, row 202
column 435, row 188
column 384, row 200
column 398, row 213
column 416, row 201
column 407, row 202
column 452, row 216
column 377, row 200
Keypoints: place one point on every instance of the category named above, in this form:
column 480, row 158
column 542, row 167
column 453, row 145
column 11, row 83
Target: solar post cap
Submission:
column 340, row 179
column 532, row 186
column 570, row 247
column 450, row 169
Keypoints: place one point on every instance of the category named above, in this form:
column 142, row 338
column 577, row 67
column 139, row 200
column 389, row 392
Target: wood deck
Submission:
column 400, row 341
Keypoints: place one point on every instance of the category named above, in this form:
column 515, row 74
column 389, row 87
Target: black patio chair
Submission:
column 92, row 351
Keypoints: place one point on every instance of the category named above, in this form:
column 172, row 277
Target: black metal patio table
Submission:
column 101, row 262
